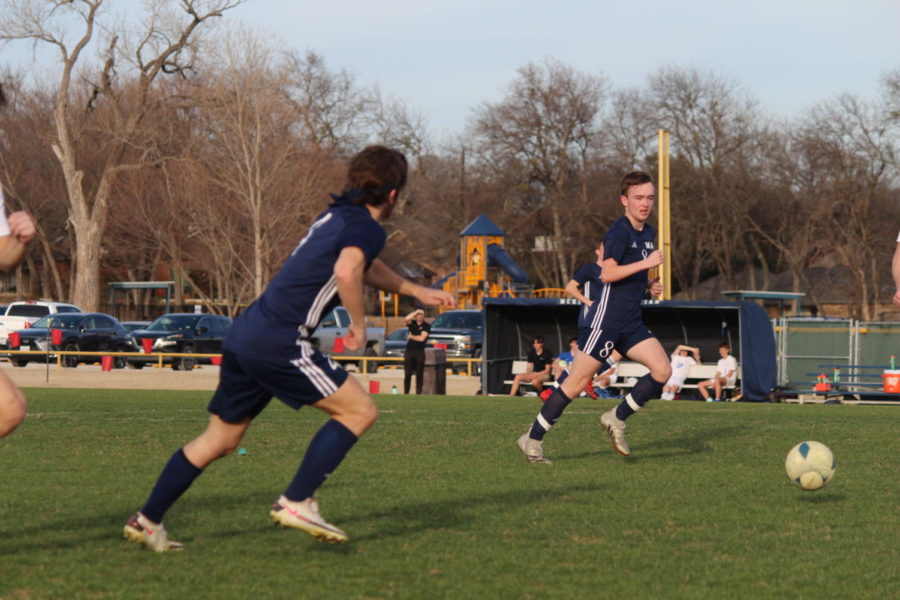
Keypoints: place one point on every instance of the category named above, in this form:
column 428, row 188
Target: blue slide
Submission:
column 497, row 257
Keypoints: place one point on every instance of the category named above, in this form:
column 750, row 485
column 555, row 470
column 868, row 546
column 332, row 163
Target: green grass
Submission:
column 440, row 504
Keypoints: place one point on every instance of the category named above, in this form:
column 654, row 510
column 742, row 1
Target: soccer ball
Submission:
column 810, row 465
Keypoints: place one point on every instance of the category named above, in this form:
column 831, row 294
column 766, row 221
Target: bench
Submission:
column 629, row 372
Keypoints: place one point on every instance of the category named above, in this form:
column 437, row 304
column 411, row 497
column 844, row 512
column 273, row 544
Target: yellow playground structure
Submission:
column 486, row 270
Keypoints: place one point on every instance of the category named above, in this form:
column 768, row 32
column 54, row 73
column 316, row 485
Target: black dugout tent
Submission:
column 511, row 323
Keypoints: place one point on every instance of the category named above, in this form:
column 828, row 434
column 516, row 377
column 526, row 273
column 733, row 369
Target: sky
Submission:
column 443, row 59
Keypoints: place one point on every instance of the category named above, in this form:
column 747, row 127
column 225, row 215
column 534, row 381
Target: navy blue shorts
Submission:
column 600, row 342
column 247, row 384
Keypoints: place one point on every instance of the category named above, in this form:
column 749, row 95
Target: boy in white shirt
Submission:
column 726, row 375
column 682, row 361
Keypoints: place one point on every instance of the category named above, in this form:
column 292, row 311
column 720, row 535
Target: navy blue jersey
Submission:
column 588, row 277
column 305, row 289
column 620, row 301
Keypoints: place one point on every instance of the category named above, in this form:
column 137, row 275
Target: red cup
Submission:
column 374, row 387
column 15, row 340
column 147, row 343
column 216, row 360
column 106, row 363
column 338, row 346
column 56, row 336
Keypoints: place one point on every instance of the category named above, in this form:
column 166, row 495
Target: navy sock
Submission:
column 550, row 413
column 176, row 477
column 642, row 391
column 325, row 452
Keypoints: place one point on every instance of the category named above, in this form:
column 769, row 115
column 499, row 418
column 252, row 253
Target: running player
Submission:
column 268, row 352
column 615, row 323
column 15, row 233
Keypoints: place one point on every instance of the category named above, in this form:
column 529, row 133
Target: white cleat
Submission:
column 141, row 530
column 615, row 427
column 533, row 450
column 304, row 515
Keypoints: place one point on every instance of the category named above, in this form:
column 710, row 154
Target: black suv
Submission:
column 88, row 332
column 462, row 331
column 187, row 333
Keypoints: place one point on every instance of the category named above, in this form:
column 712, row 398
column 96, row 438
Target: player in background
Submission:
column 268, row 352
column 726, row 375
column 615, row 323
column 681, row 362
column 15, row 233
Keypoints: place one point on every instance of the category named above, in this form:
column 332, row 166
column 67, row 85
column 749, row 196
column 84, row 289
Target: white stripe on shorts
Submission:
column 313, row 372
column 598, row 318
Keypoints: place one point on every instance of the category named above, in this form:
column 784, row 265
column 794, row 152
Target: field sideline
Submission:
column 439, row 503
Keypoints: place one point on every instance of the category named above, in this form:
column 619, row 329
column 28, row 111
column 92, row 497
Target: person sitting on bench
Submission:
column 538, row 371
column 726, row 375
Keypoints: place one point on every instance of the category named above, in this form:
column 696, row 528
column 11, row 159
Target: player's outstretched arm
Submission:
column 383, row 277
column 573, row 289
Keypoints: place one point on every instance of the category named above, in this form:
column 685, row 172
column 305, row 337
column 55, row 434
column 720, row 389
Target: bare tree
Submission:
column 166, row 45
column 545, row 128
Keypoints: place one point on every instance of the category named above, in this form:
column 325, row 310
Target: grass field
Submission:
column 440, row 504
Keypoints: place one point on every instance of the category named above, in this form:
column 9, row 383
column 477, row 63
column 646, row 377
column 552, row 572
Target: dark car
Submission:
column 135, row 325
column 461, row 331
column 88, row 332
column 395, row 345
column 189, row 333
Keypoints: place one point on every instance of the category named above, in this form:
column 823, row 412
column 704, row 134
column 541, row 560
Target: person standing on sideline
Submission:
column 726, row 375
column 15, row 233
column 540, row 360
column 682, row 361
column 268, row 352
column 615, row 323
column 895, row 271
column 414, row 356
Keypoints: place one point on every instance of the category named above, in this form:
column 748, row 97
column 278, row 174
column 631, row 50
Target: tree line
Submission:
column 185, row 145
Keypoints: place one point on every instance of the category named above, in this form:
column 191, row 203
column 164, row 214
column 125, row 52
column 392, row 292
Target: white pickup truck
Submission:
column 334, row 325
column 20, row 315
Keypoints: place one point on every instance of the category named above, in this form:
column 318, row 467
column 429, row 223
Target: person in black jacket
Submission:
column 414, row 358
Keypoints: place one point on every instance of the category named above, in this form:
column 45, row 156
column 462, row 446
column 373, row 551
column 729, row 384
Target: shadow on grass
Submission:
column 398, row 520
column 696, row 442
column 404, row 519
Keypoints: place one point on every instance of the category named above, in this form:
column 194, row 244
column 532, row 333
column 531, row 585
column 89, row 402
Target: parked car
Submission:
column 335, row 324
column 395, row 345
column 89, row 332
column 19, row 315
column 135, row 325
column 462, row 331
column 182, row 333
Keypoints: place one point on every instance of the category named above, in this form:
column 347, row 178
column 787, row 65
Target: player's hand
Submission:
column 433, row 297
column 356, row 337
column 654, row 259
column 21, row 226
column 656, row 288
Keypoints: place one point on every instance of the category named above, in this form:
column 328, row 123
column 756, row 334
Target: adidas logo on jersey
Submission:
column 634, row 244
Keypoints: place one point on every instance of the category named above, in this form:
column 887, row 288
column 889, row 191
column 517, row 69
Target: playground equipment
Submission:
column 485, row 269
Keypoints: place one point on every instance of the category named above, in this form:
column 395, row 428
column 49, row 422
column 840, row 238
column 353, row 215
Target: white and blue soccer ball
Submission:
column 810, row 465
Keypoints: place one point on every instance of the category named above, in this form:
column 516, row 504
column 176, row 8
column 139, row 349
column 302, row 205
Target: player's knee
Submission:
column 9, row 420
column 662, row 373
column 12, row 413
